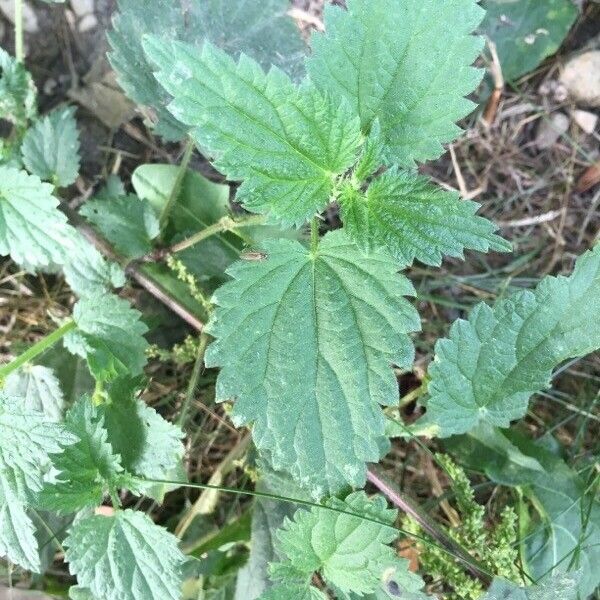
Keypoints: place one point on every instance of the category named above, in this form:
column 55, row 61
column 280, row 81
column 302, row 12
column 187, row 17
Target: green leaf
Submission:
column 559, row 586
column 109, row 335
column 28, row 438
column 200, row 203
column 39, row 390
column 564, row 534
column 87, row 272
column 18, row 96
column 488, row 368
column 261, row 30
column 406, row 64
column 293, row 591
column 127, row 222
column 125, row 557
column 77, row 592
column 149, row 446
column 267, row 517
column 71, row 371
column 50, row 148
column 32, row 229
column 17, row 539
column 87, row 468
column 567, row 535
column 306, row 342
column 350, row 552
column 286, row 143
column 527, row 31
column 410, row 218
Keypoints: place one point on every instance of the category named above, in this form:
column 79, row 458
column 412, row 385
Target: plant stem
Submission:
column 19, row 47
column 36, row 349
column 314, row 234
column 407, row 505
column 221, row 226
column 114, row 498
column 210, row 495
column 193, row 383
column 168, row 207
column 138, row 273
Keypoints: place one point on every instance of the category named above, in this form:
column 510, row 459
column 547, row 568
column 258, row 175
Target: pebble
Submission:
column 581, row 77
column 30, row 21
column 88, row 22
column 82, row 7
column 586, row 120
column 550, row 129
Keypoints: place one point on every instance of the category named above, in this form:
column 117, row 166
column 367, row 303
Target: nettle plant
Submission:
column 306, row 333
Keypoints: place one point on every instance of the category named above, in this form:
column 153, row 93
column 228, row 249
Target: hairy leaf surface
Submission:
column 127, row 222
column 38, row 389
column 109, row 335
column 286, row 143
column 410, row 218
column 149, row 446
column 350, row 552
column 491, row 364
column 306, row 343
column 267, row 517
column 87, row 272
column 407, row 64
column 262, row 30
column 526, row 32
column 50, row 148
column 293, row 591
column 125, row 557
column 32, row 229
column 559, row 586
column 18, row 96
column 87, row 467
column 28, row 438
column 17, row 539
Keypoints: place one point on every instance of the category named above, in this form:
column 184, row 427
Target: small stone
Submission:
column 88, row 22
column 550, row 129
column 586, row 120
column 30, row 21
column 581, row 77
column 82, row 7
column 50, row 86
column 560, row 93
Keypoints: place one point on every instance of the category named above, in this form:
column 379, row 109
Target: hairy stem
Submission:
column 193, row 383
column 314, row 234
column 168, row 207
column 36, row 349
column 210, row 495
column 136, row 272
column 407, row 505
column 19, row 45
column 221, row 226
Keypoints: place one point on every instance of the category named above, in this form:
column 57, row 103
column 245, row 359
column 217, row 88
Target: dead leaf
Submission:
column 409, row 550
column 589, row 178
column 103, row 97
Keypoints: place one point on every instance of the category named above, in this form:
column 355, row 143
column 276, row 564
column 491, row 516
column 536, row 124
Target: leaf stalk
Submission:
column 314, row 235
column 221, row 226
column 175, row 191
column 193, row 382
column 37, row 349
column 407, row 505
column 19, row 43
